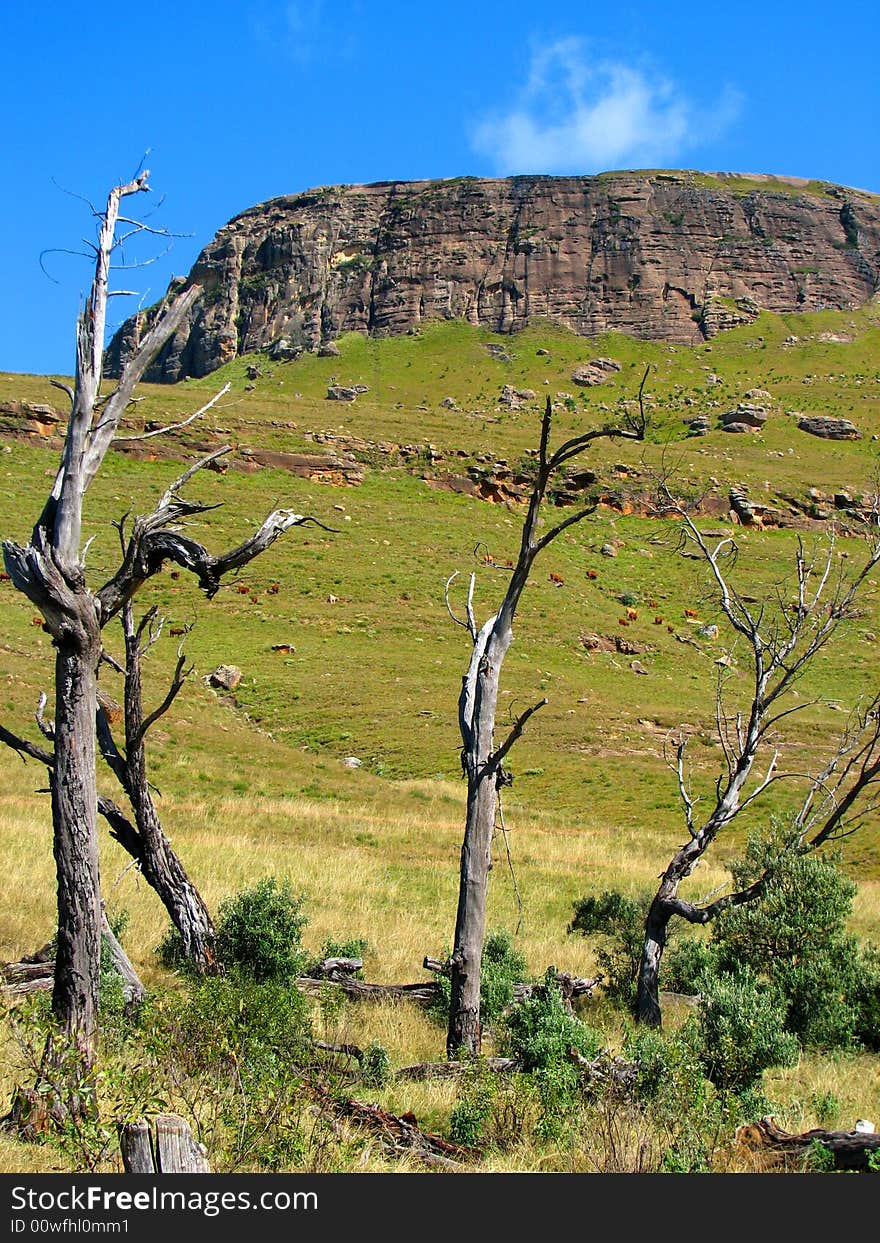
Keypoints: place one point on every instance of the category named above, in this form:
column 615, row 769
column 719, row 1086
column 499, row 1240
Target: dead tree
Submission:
column 50, row 571
column 778, row 641
column 145, row 840
column 483, row 761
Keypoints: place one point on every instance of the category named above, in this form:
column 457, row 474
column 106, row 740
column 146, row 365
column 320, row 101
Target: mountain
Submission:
column 675, row 256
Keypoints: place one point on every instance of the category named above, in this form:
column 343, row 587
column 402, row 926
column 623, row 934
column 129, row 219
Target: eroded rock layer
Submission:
column 671, row 256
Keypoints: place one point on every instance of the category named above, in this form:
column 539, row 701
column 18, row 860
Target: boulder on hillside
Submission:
column 828, row 428
column 225, row 677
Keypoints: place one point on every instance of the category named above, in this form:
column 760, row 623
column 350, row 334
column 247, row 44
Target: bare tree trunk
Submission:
column 481, row 760
column 464, row 1032
column 648, row 987
column 74, row 816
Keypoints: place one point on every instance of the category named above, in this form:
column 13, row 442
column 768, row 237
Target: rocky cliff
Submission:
column 675, row 256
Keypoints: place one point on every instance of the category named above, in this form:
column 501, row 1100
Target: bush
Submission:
column 683, row 964
column 541, row 1030
column 741, row 1030
column 794, row 937
column 259, row 931
column 621, row 920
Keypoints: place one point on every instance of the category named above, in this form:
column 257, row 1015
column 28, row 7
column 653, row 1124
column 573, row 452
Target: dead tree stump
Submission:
column 172, row 1150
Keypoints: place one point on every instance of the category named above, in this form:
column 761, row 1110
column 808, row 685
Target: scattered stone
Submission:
column 542, row 353
column 449, row 403
column 595, row 372
column 499, row 353
column 328, row 349
column 352, row 761
column 338, row 392
column 708, row 632
column 828, row 428
column 838, row 338
column 738, row 427
column 638, row 667
column 253, row 372
column 751, row 415
column 758, row 394
column 516, row 397
column 608, row 550
column 284, row 350
column 225, row 677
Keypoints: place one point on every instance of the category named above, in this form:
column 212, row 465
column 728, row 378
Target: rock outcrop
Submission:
column 672, row 256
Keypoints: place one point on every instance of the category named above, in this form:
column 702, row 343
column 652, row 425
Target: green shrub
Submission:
column 621, row 920
column 540, row 1030
column 741, row 1030
column 259, row 931
column 376, row 1066
column 684, row 963
column 866, row 999
column 794, row 937
column 232, row 1053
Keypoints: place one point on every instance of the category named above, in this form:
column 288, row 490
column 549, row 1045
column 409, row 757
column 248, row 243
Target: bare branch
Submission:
column 497, row 756
column 176, row 427
column 47, row 729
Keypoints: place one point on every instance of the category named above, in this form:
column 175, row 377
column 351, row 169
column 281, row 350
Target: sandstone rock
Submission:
column 758, row 394
column 516, row 397
column 828, row 428
column 329, row 349
column 589, row 376
column 283, row 350
column 339, row 392
column 738, row 427
column 225, row 677
column 751, row 415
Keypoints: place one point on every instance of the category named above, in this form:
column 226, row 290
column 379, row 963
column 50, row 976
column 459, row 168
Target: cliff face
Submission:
column 664, row 255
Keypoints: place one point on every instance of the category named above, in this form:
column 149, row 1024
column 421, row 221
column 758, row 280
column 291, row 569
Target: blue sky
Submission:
column 240, row 100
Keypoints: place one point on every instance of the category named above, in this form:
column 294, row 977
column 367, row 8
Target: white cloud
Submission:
column 578, row 116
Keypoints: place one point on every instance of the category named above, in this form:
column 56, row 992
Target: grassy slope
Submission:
column 257, row 784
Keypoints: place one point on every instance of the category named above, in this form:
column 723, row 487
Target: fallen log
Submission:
column 424, row 994
column 36, row 972
column 571, row 986
column 335, row 968
column 851, row 1150
column 453, row 1069
column 399, row 1136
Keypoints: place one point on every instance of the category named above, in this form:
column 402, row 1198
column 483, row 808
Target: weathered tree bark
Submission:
column 481, row 760
column 37, row 973
column 173, row 1150
column 75, row 845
